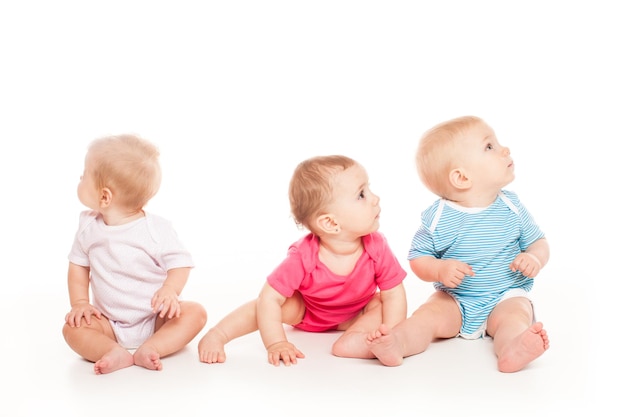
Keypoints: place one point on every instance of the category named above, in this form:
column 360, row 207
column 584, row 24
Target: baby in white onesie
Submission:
column 130, row 261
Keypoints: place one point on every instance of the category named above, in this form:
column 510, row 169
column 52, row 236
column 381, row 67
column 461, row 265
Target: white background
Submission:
column 236, row 93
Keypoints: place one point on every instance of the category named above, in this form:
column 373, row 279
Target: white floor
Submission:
column 42, row 375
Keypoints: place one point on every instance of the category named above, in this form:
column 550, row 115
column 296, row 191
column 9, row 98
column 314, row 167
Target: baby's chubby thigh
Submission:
column 515, row 307
column 353, row 342
column 367, row 319
column 293, row 309
column 91, row 340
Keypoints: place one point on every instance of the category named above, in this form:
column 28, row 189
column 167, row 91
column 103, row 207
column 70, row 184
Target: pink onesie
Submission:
column 332, row 299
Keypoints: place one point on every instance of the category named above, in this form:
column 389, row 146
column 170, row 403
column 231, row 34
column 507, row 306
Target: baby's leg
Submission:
column 171, row 335
column 96, row 343
column 353, row 342
column 237, row 323
column 240, row 322
column 438, row 317
column 517, row 341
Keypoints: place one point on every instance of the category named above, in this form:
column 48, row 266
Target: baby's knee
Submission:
column 343, row 347
column 65, row 330
column 70, row 332
column 339, row 349
column 195, row 311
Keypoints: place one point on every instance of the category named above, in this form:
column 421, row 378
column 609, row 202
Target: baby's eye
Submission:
column 489, row 147
column 361, row 195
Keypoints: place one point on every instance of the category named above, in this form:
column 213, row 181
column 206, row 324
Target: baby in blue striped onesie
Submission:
column 478, row 245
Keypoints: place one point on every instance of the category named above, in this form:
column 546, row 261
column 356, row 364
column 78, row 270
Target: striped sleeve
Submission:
column 530, row 231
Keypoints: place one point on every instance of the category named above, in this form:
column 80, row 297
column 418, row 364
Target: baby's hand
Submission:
column 165, row 300
column 527, row 264
column 80, row 310
column 451, row 272
column 284, row 351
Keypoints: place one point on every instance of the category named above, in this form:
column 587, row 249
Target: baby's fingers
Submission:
column 273, row 358
column 70, row 319
column 170, row 308
column 92, row 312
column 529, row 270
column 156, row 302
column 519, row 264
column 174, row 310
column 467, row 270
column 74, row 318
column 289, row 357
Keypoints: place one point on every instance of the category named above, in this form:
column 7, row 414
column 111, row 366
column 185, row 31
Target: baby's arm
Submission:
column 533, row 259
column 270, row 322
column 78, row 287
column 449, row 272
column 166, row 297
column 394, row 305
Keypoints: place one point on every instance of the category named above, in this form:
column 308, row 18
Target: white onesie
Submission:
column 128, row 264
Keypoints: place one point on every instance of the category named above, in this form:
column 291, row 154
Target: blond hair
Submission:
column 129, row 166
column 435, row 153
column 311, row 187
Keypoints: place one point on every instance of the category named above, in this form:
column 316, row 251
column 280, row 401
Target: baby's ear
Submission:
column 106, row 196
column 459, row 180
column 327, row 224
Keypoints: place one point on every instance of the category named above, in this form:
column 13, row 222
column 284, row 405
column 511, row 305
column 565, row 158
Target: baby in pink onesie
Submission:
column 342, row 275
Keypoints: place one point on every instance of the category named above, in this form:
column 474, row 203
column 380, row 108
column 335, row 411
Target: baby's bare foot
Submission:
column 385, row 346
column 148, row 357
column 115, row 359
column 211, row 346
column 525, row 348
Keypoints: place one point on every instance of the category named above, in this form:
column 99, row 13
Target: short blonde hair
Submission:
column 435, row 153
column 311, row 187
column 129, row 166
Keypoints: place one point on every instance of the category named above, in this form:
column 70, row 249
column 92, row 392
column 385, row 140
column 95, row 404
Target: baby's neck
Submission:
column 338, row 247
column 470, row 200
column 117, row 218
column 340, row 256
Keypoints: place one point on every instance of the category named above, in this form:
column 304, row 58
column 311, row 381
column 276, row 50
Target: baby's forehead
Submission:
column 352, row 177
column 89, row 158
column 355, row 169
column 478, row 132
column 480, row 126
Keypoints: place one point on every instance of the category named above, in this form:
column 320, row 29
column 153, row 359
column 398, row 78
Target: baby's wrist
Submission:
column 80, row 301
column 270, row 345
column 535, row 258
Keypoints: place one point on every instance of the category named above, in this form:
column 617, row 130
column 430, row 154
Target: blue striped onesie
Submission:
column 487, row 239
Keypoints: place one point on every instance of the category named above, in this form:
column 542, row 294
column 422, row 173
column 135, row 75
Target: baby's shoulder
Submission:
column 429, row 213
column 157, row 220
column 86, row 218
column 511, row 195
column 159, row 228
column 511, row 199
